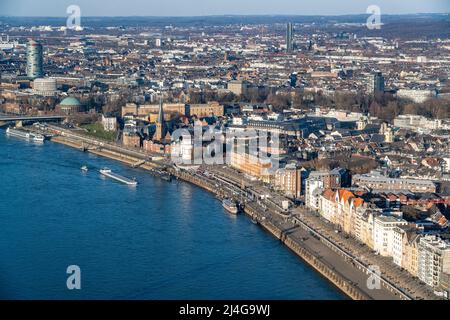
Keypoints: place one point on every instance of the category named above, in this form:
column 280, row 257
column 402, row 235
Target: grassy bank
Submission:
column 96, row 130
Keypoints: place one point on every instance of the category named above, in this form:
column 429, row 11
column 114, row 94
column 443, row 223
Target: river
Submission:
column 161, row 240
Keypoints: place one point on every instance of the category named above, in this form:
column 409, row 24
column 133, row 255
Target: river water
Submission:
column 160, row 240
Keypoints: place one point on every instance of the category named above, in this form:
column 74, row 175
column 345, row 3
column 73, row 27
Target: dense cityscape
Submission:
column 352, row 168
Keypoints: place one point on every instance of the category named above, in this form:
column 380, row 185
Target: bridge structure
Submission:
column 20, row 119
column 30, row 118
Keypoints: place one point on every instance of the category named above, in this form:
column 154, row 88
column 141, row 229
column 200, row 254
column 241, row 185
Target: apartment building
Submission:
column 410, row 261
column 383, row 234
column 109, row 123
column 289, row 180
column 341, row 207
column 317, row 182
column 404, row 247
column 363, row 227
column 376, row 181
column 327, row 205
column 434, row 259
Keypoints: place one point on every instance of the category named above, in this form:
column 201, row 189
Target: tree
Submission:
column 410, row 108
column 279, row 101
column 437, row 108
column 374, row 108
column 228, row 97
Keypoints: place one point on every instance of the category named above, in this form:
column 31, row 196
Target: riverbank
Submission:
column 114, row 155
column 326, row 270
column 346, row 277
column 157, row 241
column 326, row 262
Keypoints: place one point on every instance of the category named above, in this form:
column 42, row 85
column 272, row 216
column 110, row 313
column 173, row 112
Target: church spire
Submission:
column 160, row 125
column 161, row 111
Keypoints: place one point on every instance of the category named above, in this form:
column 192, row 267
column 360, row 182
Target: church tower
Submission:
column 160, row 125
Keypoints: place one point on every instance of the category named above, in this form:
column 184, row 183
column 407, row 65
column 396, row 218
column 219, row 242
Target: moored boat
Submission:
column 230, row 206
column 25, row 135
column 166, row 176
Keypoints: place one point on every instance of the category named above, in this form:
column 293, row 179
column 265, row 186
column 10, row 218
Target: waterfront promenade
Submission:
column 301, row 231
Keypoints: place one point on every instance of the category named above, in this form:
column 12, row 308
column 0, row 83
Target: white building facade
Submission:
column 383, row 234
column 434, row 259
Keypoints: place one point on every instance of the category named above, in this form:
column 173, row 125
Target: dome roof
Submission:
column 70, row 101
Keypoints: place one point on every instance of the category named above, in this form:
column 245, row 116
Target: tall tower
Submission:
column 34, row 60
column 375, row 83
column 293, row 78
column 160, row 125
column 289, row 37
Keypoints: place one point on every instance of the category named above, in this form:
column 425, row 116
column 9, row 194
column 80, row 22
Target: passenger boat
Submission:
column 108, row 173
column 25, row 135
column 166, row 176
column 230, row 206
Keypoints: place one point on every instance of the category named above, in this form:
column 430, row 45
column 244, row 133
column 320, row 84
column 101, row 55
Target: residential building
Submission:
column 109, row 123
column 363, row 226
column 404, row 247
column 377, row 181
column 317, row 182
column 383, row 234
column 289, row 180
column 410, row 261
column 434, row 260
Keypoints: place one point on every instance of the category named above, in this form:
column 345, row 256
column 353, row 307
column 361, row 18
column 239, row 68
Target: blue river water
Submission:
column 160, row 240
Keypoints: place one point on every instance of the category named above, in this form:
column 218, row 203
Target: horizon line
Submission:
column 234, row 15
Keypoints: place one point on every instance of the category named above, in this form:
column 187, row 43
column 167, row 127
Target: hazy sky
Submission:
column 216, row 7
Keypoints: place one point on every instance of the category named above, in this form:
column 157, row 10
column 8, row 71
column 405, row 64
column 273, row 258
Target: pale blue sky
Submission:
column 216, row 7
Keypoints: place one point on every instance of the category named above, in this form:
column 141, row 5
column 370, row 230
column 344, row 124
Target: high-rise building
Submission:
column 34, row 60
column 289, row 37
column 375, row 83
column 293, row 78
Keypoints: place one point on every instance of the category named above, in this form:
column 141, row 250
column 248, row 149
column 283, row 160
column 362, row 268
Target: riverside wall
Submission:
column 296, row 246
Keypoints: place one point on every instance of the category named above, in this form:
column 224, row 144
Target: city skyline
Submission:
column 209, row 8
column 162, row 151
